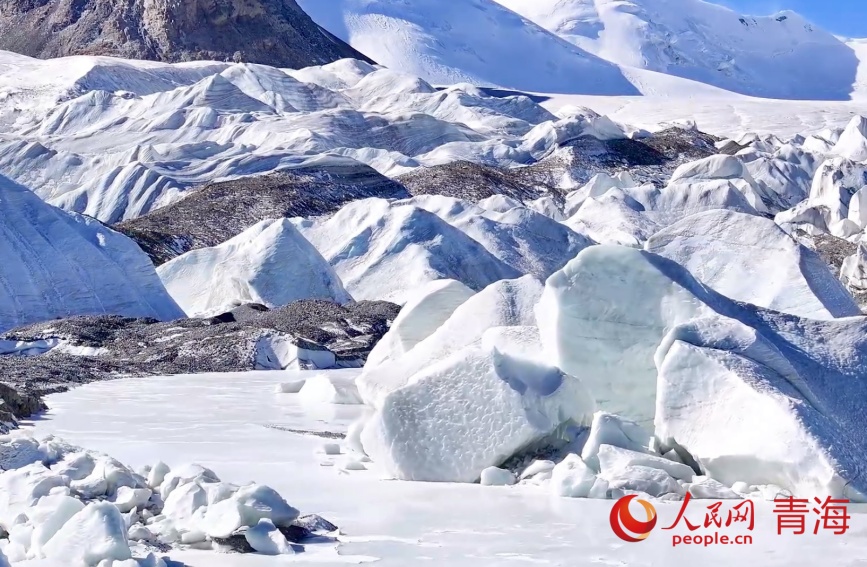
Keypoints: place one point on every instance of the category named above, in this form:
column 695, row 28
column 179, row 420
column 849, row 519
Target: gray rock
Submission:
column 141, row 347
column 470, row 181
column 649, row 160
column 271, row 32
column 219, row 211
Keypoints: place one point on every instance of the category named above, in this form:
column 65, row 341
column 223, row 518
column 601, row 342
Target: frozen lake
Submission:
column 237, row 425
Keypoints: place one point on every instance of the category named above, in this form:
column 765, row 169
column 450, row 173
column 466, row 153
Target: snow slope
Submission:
column 57, row 264
column 475, row 41
column 779, row 56
column 269, row 263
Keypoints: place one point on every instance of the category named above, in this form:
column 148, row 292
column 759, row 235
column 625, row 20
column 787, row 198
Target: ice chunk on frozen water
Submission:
column 572, row 478
column 493, row 476
column 266, row 539
column 473, row 410
column 92, row 535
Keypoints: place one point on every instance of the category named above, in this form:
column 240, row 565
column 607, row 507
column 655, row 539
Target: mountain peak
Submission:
column 273, row 32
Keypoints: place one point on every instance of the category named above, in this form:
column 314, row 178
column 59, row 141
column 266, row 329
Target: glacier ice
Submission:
column 749, row 258
column 505, row 303
column 471, row 411
column 614, row 315
column 424, row 312
column 59, row 264
column 269, row 263
column 385, row 250
column 744, row 421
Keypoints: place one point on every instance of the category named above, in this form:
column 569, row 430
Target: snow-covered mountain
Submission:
column 58, row 264
column 778, row 56
column 475, row 41
column 673, row 48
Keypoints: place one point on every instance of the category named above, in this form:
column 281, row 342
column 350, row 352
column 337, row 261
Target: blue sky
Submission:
column 843, row 17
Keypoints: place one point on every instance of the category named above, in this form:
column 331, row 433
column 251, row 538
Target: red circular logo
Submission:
column 624, row 524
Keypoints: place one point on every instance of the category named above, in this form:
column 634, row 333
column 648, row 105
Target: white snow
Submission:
column 466, row 41
column 269, row 263
column 384, row 250
column 701, row 41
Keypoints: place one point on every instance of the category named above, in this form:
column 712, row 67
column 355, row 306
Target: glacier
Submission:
column 59, row 264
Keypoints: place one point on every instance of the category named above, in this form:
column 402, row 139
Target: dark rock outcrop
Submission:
column 219, row 211
column 468, row 180
column 649, row 160
column 271, row 32
column 232, row 342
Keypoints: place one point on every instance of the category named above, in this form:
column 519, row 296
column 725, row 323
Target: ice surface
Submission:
column 58, row 265
column 493, row 476
column 265, row 538
column 572, row 478
column 215, row 420
column 48, row 516
column 292, row 387
column 613, row 458
column 613, row 430
column 280, row 351
column 640, row 478
column 805, row 448
column 530, row 242
column 835, row 203
column 711, row 489
column 853, row 141
column 749, row 258
column 537, row 467
column 330, row 389
column 269, row 263
column 629, row 216
column 473, row 410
